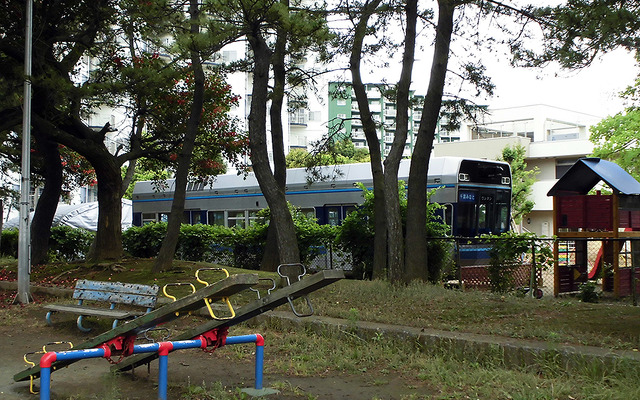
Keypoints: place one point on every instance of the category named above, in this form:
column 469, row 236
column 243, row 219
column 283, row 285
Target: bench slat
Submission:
column 117, row 287
column 94, row 312
column 120, row 298
column 117, row 292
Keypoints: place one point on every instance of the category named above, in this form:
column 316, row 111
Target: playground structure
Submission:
column 598, row 236
column 120, row 341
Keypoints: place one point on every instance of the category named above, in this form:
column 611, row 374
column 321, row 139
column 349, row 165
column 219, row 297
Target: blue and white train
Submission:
column 476, row 194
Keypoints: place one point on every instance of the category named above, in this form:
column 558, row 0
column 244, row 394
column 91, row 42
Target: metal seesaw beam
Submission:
column 277, row 298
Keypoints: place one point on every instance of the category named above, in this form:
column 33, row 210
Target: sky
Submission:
column 593, row 90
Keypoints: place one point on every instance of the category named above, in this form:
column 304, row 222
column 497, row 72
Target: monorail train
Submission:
column 476, row 194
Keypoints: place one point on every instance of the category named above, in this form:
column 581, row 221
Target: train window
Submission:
column 148, row 218
column 333, row 216
column 236, row 218
column 482, row 217
column 216, row 218
column 503, row 218
column 348, row 210
column 309, row 212
column 196, row 218
column 466, row 219
column 253, row 216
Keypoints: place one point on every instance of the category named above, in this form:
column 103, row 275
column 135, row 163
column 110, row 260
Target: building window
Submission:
column 563, row 165
column 341, row 102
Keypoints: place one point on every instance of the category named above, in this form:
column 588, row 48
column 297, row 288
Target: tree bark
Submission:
column 416, row 238
column 371, row 134
column 272, row 191
column 170, row 241
column 48, row 202
column 73, row 133
column 395, row 259
column 108, row 241
column 270, row 259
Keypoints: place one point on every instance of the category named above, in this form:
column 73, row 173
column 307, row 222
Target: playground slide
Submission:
column 598, row 262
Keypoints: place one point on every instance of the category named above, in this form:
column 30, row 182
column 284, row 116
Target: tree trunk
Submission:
column 416, row 250
column 270, row 259
column 108, row 241
column 371, row 134
column 48, row 202
column 170, row 242
column 272, row 191
column 395, row 259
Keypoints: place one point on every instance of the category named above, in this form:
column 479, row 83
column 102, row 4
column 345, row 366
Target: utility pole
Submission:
column 24, row 238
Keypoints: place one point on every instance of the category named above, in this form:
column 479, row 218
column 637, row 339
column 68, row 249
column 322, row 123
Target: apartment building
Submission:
column 344, row 116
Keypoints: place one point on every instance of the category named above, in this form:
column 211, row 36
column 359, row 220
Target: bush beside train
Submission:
column 476, row 195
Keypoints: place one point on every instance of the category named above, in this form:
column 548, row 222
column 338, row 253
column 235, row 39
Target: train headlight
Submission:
column 463, row 177
column 506, row 180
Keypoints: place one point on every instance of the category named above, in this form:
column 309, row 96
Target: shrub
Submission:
column 588, row 293
column 194, row 242
column 144, row 241
column 67, row 243
column 9, row 243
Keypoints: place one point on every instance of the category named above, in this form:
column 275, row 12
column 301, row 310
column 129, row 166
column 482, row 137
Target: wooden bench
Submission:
column 114, row 293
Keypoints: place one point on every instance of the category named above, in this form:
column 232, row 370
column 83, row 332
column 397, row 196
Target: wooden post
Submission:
column 615, row 203
column 556, row 265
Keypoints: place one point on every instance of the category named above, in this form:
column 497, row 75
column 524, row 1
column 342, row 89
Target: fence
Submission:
column 579, row 260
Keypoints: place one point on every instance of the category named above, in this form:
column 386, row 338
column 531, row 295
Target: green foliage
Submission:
column 356, row 234
column 9, row 243
column 238, row 247
column 522, row 181
column 510, row 250
column 143, row 174
column 588, row 293
column 616, row 139
column 67, row 243
column 576, row 32
column 144, row 241
column 313, row 239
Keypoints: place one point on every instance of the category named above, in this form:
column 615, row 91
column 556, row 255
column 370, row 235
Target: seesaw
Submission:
column 122, row 337
column 297, row 288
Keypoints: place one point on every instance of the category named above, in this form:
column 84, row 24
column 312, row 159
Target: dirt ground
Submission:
column 24, row 330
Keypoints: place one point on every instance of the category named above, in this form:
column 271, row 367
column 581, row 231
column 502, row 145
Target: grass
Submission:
column 427, row 375
column 614, row 325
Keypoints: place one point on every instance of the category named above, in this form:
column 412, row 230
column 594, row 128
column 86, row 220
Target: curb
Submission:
column 470, row 347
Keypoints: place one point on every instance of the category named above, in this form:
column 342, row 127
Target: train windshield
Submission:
column 482, row 211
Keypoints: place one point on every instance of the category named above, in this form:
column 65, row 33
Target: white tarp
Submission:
column 83, row 215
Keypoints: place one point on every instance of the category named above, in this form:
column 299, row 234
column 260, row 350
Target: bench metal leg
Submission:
column 82, row 328
column 48, row 317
